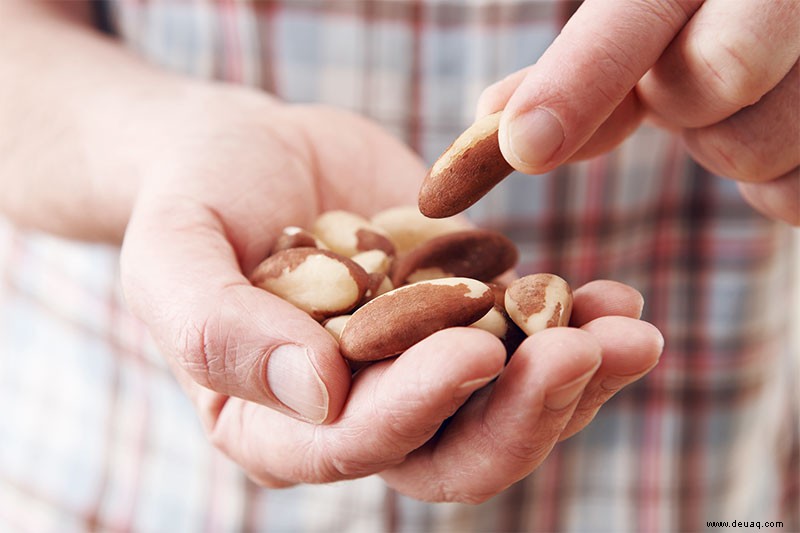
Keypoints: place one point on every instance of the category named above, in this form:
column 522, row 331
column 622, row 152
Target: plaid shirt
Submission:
column 95, row 434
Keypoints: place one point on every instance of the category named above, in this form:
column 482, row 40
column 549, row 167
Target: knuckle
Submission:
column 398, row 432
column 195, row 350
column 519, row 452
column 348, row 467
column 733, row 77
column 354, row 453
column 670, row 13
column 616, row 67
column 451, row 488
column 206, row 345
column 344, row 464
column 204, row 348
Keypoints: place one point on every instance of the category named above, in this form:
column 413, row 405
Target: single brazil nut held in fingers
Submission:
column 349, row 234
column 466, row 171
column 475, row 253
column 408, row 228
column 395, row 321
column 539, row 301
column 320, row 282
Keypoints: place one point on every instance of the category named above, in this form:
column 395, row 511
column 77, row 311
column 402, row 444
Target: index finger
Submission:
column 598, row 58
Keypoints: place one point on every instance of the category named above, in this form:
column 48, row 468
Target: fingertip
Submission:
column 495, row 97
column 490, row 101
column 486, row 352
column 551, row 368
column 603, row 298
column 632, row 345
column 565, row 353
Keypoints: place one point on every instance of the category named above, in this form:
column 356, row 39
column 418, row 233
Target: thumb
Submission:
column 588, row 71
column 182, row 278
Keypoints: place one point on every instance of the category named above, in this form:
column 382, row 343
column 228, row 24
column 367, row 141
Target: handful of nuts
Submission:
column 381, row 285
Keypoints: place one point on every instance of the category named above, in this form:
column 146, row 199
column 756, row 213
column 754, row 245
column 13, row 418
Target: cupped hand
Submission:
column 433, row 423
column 230, row 168
column 723, row 74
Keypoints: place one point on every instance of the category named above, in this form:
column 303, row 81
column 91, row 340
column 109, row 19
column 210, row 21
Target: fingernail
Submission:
column 295, row 383
column 535, row 136
column 564, row 395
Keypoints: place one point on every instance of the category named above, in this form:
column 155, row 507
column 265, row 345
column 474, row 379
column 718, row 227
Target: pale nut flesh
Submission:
column 319, row 282
column 475, row 253
column 408, row 228
column 335, row 324
column 498, row 323
column 378, row 284
column 373, row 261
column 398, row 319
column 349, row 234
column 466, row 171
column 539, row 301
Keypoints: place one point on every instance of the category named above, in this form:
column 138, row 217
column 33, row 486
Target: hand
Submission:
column 227, row 170
column 392, row 423
column 723, row 74
column 230, row 169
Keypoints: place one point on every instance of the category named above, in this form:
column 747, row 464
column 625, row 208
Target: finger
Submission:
column 507, row 430
column 760, row 142
column 600, row 55
column 604, row 298
column 727, row 57
column 623, row 121
column 182, row 278
column 394, row 408
column 630, row 348
column 495, row 96
column 778, row 199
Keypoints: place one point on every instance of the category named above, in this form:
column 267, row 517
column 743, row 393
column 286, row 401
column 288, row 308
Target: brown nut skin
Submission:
column 294, row 237
column 476, row 253
column 320, row 282
column 498, row 323
column 466, row 171
column 539, row 301
column 395, row 321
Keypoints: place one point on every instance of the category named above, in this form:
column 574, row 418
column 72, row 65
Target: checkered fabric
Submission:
column 95, row 435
